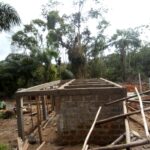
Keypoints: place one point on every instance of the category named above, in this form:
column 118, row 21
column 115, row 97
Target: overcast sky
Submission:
column 121, row 14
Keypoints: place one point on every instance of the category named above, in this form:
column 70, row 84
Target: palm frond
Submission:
column 8, row 17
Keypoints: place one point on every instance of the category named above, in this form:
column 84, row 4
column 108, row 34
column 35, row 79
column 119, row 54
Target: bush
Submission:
column 66, row 74
column 7, row 114
column 4, row 147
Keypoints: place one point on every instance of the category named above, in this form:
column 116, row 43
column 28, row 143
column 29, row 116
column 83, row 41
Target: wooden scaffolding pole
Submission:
column 90, row 131
column 126, row 125
column 38, row 119
column 120, row 116
column 126, row 98
column 122, row 146
column 20, row 118
column 143, row 114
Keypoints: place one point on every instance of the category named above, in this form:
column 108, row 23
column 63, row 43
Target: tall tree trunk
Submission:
column 123, row 63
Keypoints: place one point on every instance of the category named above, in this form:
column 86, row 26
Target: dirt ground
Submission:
column 8, row 131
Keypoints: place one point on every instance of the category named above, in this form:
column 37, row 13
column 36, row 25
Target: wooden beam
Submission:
column 120, row 138
column 25, row 145
column 20, row 143
column 126, row 125
column 42, row 144
column 38, row 119
column 91, row 129
column 140, row 82
column 110, row 82
column 132, row 118
column 143, row 114
column 20, row 118
column 133, row 109
column 88, row 85
column 136, row 101
column 66, row 84
column 126, row 98
column 122, row 146
column 120, row 116
column 43, row 99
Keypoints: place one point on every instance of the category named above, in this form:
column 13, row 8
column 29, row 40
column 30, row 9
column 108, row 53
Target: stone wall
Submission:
column 77, row 108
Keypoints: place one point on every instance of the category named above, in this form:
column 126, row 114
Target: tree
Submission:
column 124, row 41
column 72, row 33
column 32, row 40
column 8, row 17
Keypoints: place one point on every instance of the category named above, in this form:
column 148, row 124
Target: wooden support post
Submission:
column 140, row 83
column 38, row 119
column 126, row 125
column 31, row 116
column 44, row 108
column 40, row 111
column 20, row 143
column 20, row 119
column 143, row 114
column 52, row 102
column 91, row 129
column 47, row 104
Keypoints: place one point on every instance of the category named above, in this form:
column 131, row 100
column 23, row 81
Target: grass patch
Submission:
column 1, row 116
column 4, row 147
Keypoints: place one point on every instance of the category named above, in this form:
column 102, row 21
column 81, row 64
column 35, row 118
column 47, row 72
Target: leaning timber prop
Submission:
column 127, row 128
column 85, row 146
column 143, row 114
column 126, row 98
column 119, row 139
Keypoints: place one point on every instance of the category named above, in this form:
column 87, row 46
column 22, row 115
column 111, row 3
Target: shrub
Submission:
column 66, row 74
column 4, row 147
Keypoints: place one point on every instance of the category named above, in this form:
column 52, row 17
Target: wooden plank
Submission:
column 140, row 83
column 26, row 145
column 133, row 109
column 122, row 146
column 110, row 82
column 86, row 147
column 126, row 125
column 44, row 110
column 20, row 118
column 132, row 118
column 91, row 129
column 143, row 114
column 119, row 139
column 66, row 84
column 136, row 101
column 20, row 143
column 120, row 116
column 41, row 145
column 38, row 120
column 126, row 98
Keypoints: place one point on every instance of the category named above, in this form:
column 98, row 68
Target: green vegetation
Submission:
column 36, row 49
column 9, row 17
column 4, row 147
